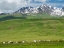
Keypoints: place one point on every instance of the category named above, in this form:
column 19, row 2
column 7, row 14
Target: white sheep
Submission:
column 23, row 41
column 48, row 40
column 35, row 41
column 4, row 42
column 10, row 42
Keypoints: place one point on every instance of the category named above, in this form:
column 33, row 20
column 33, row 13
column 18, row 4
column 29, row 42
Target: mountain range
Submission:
column 42, row 8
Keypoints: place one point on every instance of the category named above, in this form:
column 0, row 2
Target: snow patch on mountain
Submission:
column 54, row 11
column 57, row 11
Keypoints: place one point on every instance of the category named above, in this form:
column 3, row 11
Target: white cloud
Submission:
column 11, row 5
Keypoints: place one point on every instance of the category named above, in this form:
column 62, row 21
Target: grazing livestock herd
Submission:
column 34, row 41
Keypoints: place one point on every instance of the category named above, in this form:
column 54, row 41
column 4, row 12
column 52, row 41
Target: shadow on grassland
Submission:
column 11, row 17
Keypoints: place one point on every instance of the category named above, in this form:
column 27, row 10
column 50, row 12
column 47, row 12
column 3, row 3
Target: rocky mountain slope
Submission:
column 43, row 8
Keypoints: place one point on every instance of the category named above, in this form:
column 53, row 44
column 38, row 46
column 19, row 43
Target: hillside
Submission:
column 15, row 28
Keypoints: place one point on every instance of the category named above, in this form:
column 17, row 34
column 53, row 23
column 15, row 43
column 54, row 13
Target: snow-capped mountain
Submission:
column 57, row 11
column 43, row 8
column 26, row 10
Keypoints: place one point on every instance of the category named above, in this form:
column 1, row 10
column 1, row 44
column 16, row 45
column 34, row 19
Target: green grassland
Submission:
column 31, row 29
column 17, row 46
column 18, row 27
column 34, row 45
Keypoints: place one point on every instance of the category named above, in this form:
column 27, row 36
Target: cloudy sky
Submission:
column 13, row 5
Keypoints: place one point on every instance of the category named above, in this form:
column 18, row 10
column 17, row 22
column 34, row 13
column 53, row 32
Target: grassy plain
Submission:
column 29, row 28
column 34, row 45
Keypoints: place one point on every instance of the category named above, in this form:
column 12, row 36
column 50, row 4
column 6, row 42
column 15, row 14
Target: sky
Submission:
column 9, row 6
